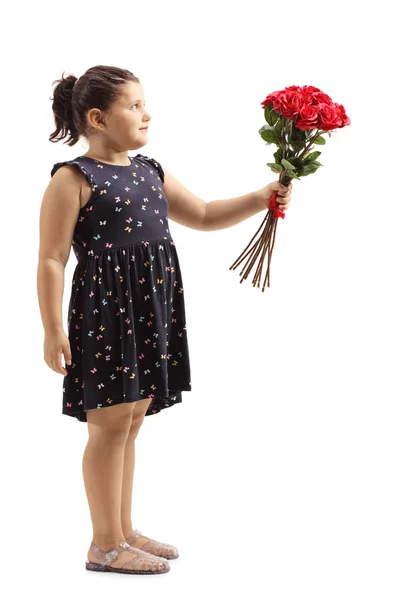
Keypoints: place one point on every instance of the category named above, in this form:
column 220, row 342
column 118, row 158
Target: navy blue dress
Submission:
column 126, row 315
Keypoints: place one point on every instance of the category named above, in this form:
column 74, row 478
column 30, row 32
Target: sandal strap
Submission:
column 106, row 558
column 140, row 559
column 153, row 547
column 137, row 533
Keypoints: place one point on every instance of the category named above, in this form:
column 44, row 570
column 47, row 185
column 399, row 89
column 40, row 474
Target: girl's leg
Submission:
column 138, row 415
column 154, row 547
column 102, row 466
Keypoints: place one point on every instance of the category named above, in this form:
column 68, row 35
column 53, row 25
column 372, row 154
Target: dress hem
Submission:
column 81, row 414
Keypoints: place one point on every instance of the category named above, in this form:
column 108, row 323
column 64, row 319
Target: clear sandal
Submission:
column 153, row 547
column 138, row 562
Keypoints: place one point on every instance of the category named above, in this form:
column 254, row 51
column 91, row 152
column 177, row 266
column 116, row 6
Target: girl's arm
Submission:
column 221, row 214
column 58, row 216
column 186, row 208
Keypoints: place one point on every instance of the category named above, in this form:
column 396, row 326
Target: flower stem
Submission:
column 310, row 144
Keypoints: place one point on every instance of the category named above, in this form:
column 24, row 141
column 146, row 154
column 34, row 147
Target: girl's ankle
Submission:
column 107, row 543
column 128, row 534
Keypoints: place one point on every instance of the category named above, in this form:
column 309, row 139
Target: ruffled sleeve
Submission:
column 87, row 173
column 153, row 164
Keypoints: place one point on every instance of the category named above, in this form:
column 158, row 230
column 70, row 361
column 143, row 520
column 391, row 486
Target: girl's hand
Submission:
column 283, row 197
column 55, row 344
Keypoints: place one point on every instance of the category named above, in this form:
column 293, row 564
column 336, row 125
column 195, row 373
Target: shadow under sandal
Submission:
column 135, row 565
column 153, row 547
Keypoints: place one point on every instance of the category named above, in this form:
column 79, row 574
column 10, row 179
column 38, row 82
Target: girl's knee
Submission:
column 113, row 421
column 138, row 415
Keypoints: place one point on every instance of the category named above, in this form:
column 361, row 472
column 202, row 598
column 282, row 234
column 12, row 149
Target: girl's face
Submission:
column 121, row 125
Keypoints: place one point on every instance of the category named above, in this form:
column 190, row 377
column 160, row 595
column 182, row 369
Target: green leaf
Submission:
column 296, row 161
column 274, row 116
column 275, row 167
column 308, row 169
column 311, row 157
column 270, row 115
column 320, row 140
column 265, row 128
column 287, row 164
column 270, row 136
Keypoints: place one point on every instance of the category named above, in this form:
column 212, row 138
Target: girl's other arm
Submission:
column 58, row 215
column 186, row 208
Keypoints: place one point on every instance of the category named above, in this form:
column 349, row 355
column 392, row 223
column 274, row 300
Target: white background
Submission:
column 277, row 476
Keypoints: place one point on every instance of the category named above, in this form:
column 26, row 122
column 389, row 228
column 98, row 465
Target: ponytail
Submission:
column 63, row 111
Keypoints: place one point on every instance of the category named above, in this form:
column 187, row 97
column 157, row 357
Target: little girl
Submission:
column 127, row 348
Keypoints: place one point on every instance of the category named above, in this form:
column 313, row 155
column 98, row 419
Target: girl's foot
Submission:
column 137, row 540
column 123, row 556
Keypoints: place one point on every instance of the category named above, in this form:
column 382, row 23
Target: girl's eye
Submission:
column 138, row 104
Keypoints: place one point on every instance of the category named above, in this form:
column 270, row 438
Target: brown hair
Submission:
column 98, row 87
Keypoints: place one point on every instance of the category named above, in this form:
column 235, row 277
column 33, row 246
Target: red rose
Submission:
column 313, row 95
column 308, row 90
column 294, row 88
column 270, row 99
column 330, row 117
column 308, row 117
column 308, row 107
column 289, row 104
column 343, row 119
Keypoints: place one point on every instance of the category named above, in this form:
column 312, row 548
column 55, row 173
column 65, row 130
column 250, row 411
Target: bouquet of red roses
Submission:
column 297, row 117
